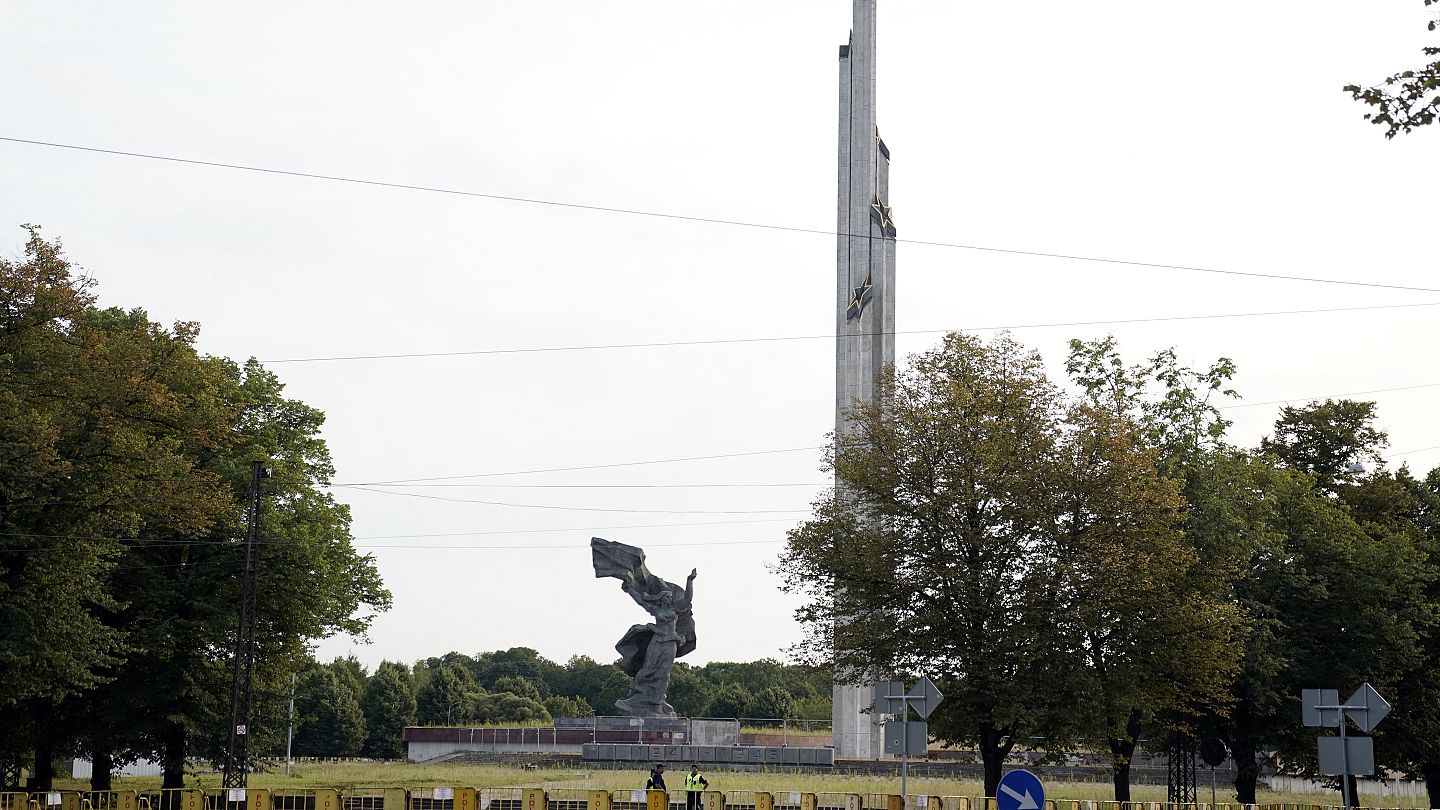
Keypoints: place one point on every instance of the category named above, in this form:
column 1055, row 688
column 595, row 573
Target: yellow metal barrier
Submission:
column 533, row 799
column 854, row 801
column 394, row 799
column 714, row 800
column 892, row 802
column 657, row 800
column 764, row 801
column 598, row 800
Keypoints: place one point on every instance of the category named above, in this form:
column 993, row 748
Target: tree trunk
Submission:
column 174, row 757
column 1247, row 770
column 42, row 776
column 1353, row 785
column 995, row 745
column 1122, row 752
column 102, row 768
column 1431, row 770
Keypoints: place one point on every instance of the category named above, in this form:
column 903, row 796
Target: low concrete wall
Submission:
column 427, row 750
column 740, row 754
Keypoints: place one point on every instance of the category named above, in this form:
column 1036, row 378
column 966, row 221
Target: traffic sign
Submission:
column 1310, row 699
column 911, row 738
column 889, row 697
column 924, row 696
column 1213, row 753
column 1355, row 754
column 1020, row 790
column 1375, row 708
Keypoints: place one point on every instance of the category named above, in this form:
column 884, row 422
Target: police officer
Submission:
column 657, row 778
column 694, row 783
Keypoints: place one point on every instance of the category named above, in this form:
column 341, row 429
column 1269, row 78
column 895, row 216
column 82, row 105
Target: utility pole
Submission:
column 241, row 688
column 290, row 728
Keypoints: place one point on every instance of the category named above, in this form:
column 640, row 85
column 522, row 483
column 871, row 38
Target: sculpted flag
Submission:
column 627, row 564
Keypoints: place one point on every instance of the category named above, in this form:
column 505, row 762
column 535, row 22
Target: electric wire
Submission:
column 695, row 218
column 586, row 508
column 582, row 467
column 1327, row 396
column 791, row 338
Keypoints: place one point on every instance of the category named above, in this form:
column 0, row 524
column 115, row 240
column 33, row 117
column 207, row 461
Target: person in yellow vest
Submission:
column 694, row 784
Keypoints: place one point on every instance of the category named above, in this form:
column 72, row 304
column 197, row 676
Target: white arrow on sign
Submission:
column 1027, row 802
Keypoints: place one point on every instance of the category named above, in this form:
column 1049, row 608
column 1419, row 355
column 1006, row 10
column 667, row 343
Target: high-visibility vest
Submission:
column 694, row 781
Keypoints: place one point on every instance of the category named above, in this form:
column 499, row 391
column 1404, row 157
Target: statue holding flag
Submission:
column 648, row 651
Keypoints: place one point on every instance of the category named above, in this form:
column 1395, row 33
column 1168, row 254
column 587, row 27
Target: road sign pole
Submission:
column 1344, row 767
column 905, row 758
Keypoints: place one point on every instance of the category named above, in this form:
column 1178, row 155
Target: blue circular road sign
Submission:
column 1020, row 790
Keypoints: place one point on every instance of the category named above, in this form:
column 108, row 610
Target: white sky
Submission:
column 1213, row 136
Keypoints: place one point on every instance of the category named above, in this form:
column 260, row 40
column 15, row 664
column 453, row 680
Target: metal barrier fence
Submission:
column 469, row 798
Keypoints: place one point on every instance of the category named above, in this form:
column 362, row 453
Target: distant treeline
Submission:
column 343, row 710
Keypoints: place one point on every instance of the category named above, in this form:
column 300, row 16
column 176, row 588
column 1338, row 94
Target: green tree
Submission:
column 507, row 707
column 329, row 720
column 689, row 692
column 517, row 685
column 731, row 701
column 519, row 662
column 351, row 672
column 1146, row 583
column 1150, row 638
column 313, row 583
column 111, row 427
column 447, row 696
column 558, row 707
column 1410, row 741
column 772, row 703
column 1408, row 99
column 103, row 415
column 599, row 684
column 1331, row 440
column 388, row 704
column 989, row 534
column 1335, row 592
column 933, row 553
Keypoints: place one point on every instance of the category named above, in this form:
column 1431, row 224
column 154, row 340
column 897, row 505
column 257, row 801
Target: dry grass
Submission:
column 359, row 775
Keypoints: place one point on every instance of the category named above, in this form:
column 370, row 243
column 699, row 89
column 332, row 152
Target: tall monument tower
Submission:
column 865, row 302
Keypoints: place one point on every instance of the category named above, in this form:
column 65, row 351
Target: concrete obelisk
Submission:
column 865, row 304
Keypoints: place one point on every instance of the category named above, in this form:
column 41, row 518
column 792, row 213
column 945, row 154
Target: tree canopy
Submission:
column 124, row 457
column 1406, row 100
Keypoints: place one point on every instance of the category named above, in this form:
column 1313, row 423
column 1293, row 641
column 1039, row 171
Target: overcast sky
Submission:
column 1212, row 135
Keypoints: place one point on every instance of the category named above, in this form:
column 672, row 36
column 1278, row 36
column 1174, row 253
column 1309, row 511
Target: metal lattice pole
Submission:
column 241, row 688
column 1180, row 769
column 9, row 774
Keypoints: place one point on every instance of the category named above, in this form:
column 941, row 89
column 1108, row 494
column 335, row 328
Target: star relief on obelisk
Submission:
column 882, row 214
column 859, row 298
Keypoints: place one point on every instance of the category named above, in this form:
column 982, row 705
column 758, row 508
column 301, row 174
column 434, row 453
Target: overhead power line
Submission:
column 527, row 547
column 1412, row 452
column 615, row 486
column 581, row 467
column 694, row 218
column 588, row 508
column 786, row 338
column 1327, row 396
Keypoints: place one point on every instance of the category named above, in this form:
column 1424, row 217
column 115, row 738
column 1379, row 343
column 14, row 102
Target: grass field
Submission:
column 353, row 775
